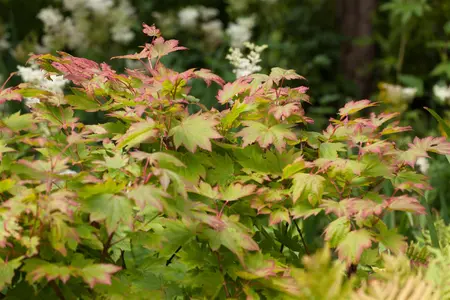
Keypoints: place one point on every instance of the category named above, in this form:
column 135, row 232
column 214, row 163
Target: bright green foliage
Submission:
column 155, row 203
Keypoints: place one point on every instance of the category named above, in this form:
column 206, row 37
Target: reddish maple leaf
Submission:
column 208, row 76
column 151, row 30
column 232, row 89
column 354, row 106
column 420, row 147
column 406, row 203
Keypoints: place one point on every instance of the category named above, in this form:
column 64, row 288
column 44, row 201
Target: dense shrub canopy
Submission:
column 155, row 203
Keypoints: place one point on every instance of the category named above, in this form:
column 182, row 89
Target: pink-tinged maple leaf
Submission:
column 37, row 269
column 161, row 47
column 98, row 274
column 266, row 136
column 355, row 106
column 278, row 215
column 76, row 69
column 379, row 147
column 279, row 74
column 145, row 195
column 9, row 94
column 195, row 131
column 208, row 76
column 420, row 147
column 151, row 30
column 406, row 203
column 365, row 207
column 339, row 208
column 353, row 245
column 337, row 230
column 378, row 120
column 232, row 89
column 281, row 112
column 308, row 187
column 395, row 129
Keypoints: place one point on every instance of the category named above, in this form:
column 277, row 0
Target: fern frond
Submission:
column 415, row 287
column 418, row 254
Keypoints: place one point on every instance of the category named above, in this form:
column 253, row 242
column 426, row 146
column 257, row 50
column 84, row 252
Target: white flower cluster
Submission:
column 38, row 78
column 246, row 65
column 192, row 17
column 4, row 43
column 241, row 31
column 398, row 93
column 88, row 18
column 442, row 93
column 423, row 165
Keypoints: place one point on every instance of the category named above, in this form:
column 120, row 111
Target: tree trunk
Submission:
column 355, row 21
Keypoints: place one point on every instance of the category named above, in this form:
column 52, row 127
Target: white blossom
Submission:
column 241, row 31
column 246, row 65
column 423, row 164
column 188, row 17
column 51, row 17
column 4, row 44
column 398, row 93
column 38, row 78
column 213, row 30
column 208, row 13
column 68, row 172
column 121, row 34
column 73, row 4
column 442, row 93
column 31, row 101
column 74, row 36
column 100, row 7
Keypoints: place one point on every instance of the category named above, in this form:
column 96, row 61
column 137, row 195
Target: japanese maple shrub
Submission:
column 157, row 203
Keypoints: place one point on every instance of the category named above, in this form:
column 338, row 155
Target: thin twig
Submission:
column 169, row 261
column 57, row 290
column 301, row 236
column 221, row 272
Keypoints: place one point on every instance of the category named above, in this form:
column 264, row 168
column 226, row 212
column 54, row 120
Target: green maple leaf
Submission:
column 330, row 150
column 232, row 235
column 195, row 131
column 111, row 208
column 266, row 136
column 149, row 195
column 222, row 171
column 308, row 187
column 7, row 271
column 277, row 74
column 352, row 246
column 337, row 230
column 98, row 273
column 391, row 239
column 18, row 122
column 137, row 134
column 236, row 191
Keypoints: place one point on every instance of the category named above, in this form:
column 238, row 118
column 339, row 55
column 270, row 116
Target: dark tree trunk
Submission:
column 355, row 21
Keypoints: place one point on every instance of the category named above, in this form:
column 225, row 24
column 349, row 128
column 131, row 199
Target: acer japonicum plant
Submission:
column 157, row 203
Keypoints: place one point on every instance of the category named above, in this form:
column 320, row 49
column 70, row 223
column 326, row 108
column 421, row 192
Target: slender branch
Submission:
column 57, row 290
column 301, row 236
column 285, row 232
column 221, row 272
column 169, row 261
column 106, row 247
